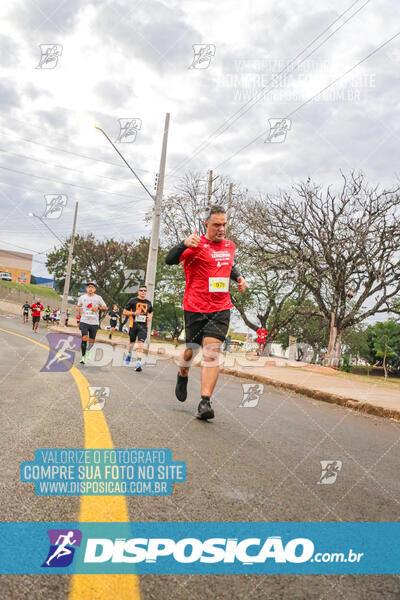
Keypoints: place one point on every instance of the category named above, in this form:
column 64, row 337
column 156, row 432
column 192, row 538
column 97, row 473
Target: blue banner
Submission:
column 201, row 548
column 103, row 472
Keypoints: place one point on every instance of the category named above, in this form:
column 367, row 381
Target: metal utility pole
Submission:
column 210, row 182
column 206, row 208
column 64, row 302
column 155, row 230
column 228, row 210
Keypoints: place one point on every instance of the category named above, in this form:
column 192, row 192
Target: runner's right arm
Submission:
column 175, row 253
column 128, row 310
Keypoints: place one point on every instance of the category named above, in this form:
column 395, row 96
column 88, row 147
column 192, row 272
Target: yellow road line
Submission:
column 97, row 508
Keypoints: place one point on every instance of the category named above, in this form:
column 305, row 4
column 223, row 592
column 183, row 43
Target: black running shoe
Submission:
column 205, row 410
column 181, row 388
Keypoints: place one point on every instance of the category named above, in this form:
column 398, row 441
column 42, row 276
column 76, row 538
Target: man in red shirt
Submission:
column 261, row 339
column 208, row 267
column 36, row 308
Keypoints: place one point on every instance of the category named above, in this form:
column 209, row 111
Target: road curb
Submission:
column 350, row 403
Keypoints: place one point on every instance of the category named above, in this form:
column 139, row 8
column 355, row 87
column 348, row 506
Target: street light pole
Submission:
column 64, row 302
column 125, row 161
column 155, row 230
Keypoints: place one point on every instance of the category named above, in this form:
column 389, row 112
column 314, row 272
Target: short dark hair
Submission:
column 215, row 209
column 143, row 287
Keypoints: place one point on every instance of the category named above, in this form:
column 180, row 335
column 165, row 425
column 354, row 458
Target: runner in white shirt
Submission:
column 88, row 307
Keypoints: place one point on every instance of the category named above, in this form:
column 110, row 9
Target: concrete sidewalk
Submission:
column 314, row 381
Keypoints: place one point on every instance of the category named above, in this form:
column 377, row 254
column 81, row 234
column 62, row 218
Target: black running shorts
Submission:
column 89, row 330
column 201, row 325
column 137, row 331
column 35, row 319
column 113, row 322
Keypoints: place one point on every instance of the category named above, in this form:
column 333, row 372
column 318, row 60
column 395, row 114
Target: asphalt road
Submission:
column 258, row 463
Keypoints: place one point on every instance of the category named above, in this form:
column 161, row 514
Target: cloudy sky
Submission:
column 132, row 59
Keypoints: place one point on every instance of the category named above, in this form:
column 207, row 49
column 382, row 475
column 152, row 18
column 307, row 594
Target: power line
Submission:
column 66, row 183
column 34, row 191
column 75, row 153
column 62, row 166
column 54, row 148
column 312, row 97
column 253, row 101
column 23, row 248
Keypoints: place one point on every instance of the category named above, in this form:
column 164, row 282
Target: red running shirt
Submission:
column 207, row 270
column 36, row 308
column 262, row 335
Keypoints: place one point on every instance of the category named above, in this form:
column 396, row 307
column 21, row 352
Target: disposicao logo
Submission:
column 190, row 550
column 62, row 547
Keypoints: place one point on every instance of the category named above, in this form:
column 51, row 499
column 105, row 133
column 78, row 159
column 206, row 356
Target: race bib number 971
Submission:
column 218, row 284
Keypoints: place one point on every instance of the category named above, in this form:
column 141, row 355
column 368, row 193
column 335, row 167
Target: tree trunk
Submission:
column 384, row 364
column 268, row 343
column 336, row 353
column 331, row 335
column 334, row 345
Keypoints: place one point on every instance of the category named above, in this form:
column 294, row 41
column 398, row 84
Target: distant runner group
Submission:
column 50, row 315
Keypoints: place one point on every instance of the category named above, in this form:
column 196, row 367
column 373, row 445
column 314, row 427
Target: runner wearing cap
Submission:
column 88, row 307
column 208, row 267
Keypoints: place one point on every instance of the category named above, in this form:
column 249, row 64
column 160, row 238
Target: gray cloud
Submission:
column 9, row 98
column 115, row 94
column 47, row 18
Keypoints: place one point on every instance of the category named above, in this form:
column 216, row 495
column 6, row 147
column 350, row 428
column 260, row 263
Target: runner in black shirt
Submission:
column 139, row 311
column 25, row 311
column 113, row 314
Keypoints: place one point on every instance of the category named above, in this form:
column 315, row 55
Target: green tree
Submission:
column 386, row 342
column 357, row 342
column 101, row 261
column 309, row 328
